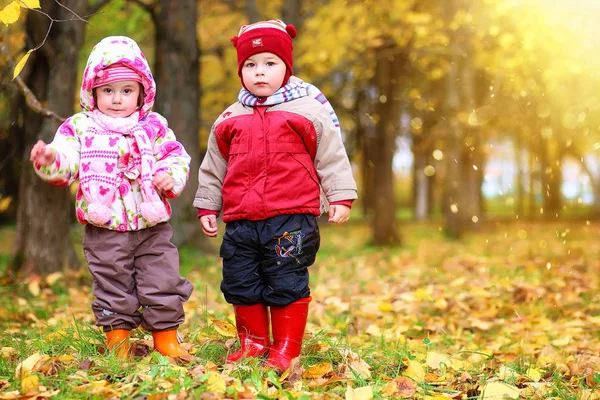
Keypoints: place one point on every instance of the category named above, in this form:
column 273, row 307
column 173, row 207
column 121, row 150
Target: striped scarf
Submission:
column 295, row 89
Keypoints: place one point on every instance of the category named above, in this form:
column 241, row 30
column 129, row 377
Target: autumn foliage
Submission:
column 511, row 312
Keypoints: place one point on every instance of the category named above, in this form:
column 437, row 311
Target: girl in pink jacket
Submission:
column 128, row 163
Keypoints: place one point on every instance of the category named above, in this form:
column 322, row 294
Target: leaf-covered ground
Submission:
column 510, row 311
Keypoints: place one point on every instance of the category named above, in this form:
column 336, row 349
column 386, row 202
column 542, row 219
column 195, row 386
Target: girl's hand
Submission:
column 163, row 182
column 339, row 213
column 41, row 154
column 209, row 225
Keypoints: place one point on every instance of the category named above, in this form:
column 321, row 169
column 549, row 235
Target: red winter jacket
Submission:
column 272, row 160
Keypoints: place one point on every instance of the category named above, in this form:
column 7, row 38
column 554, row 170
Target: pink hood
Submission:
column 112, row 50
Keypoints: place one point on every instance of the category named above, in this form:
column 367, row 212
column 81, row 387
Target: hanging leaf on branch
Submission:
column 21, row 64
column 9, row 15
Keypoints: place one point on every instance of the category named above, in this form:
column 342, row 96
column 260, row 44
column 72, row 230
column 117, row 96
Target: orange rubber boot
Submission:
column 117, row 340
column 252, row 323
column 165, row 342
column 288, row 325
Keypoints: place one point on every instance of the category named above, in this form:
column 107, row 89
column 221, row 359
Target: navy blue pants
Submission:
column 267, row 261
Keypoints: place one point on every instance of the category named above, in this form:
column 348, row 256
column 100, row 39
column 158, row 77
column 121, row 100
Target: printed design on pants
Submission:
column 290, row 244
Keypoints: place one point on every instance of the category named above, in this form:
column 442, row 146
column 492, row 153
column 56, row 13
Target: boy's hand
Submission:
column 209, row 225
column 339, row 213
column 163, row 182
column 41, row 154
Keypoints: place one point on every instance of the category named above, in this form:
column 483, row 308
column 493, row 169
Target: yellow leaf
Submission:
column 318, row 371
column 10, row 13
column 34, row 286
column 30, row 383
column 215, row 383
column 225, row 328
column 26, row 366
column 499, row 390
column 53, row 277
column 437, row 360
column 21, row 64
column 561, row 341
column 361, row 393
column 361, row 367
column 534, row 374
column 415, row 371
column 58, row 335
column 5, row 203
column 30, row 3
column 7, row 352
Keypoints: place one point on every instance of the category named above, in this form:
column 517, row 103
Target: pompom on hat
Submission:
column 272, row 36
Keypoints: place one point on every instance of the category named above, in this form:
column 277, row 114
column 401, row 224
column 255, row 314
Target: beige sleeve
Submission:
column 331, row 161
column 210, row 177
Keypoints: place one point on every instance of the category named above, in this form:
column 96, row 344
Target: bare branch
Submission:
column 71, row 11
column 96, row 7
column 34, row 104
column 30, row 99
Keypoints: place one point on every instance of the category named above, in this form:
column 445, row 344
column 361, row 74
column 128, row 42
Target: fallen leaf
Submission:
column 34, row 281
column 400, row 387
column 7, row 352
column 30, row 384
column 53, row 277
column 361, row 367
column 224, row 328
column 415, row 371
column 318, row 371
column 361, row 393
column 438, row 360
column 25, row 367
column 499, row 390
column 215, row 383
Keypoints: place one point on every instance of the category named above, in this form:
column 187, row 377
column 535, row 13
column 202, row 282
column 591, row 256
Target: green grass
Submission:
column 513, row 296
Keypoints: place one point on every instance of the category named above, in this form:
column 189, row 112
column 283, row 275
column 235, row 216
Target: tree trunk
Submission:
column 252, row 11
column 462, row 188
column 422, row 147
column 43, row 243
column 387, row 110
column 291, row 12
column 520, row 189
column 551, row 177
column 178, row 98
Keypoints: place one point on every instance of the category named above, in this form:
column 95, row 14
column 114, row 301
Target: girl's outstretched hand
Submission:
column 42, row 154
column 209, row 225
column 339, row 213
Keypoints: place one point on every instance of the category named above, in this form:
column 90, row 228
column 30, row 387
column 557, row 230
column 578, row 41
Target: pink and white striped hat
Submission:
column 114, row 73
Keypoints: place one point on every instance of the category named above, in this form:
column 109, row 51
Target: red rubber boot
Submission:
column 288, row 325
column 252, row 323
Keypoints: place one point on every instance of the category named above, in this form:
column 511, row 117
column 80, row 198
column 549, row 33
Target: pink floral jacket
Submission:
column 114, row 159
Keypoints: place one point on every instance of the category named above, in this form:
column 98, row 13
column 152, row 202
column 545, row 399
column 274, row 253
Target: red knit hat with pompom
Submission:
column 272, row 36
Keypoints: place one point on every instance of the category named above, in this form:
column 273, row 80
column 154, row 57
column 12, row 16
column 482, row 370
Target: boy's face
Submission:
column 263, row 74
column 118, row 99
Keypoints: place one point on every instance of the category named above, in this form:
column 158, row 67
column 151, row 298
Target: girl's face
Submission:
column 263, row 74
column 118, row 99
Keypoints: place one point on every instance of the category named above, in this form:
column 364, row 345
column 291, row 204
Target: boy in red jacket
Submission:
column 269, row 156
